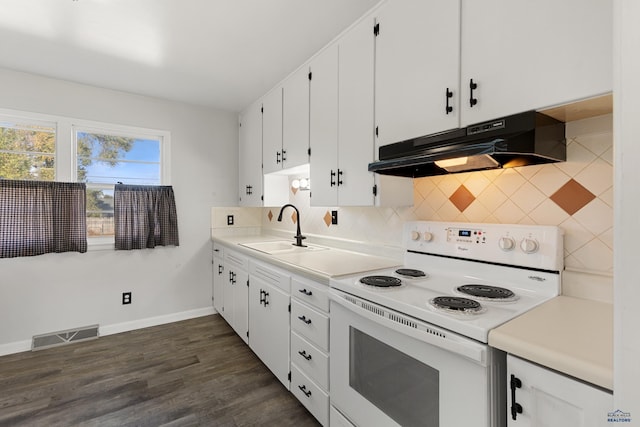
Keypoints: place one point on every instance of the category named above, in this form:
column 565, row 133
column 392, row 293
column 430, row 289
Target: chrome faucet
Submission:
column 299, row 237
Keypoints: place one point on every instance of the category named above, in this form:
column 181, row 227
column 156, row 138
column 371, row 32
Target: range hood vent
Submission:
column 523, row 139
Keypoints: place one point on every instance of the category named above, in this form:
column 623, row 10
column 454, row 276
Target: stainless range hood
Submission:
column 521, row 139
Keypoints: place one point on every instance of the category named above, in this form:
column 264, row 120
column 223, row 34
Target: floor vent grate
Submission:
column 55, row 339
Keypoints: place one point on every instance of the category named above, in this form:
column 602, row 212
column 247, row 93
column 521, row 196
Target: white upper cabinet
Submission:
column 417, row 62
column 342, row 125
column 527, row 55
column 295, row 119
column 356, row 125
column 323, row 130
column 250, row 156
column 272, row 131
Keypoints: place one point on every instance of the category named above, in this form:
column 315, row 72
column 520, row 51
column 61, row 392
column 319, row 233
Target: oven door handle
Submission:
column 471, row 350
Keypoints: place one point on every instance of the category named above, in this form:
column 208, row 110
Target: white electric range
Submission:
column 424, row 326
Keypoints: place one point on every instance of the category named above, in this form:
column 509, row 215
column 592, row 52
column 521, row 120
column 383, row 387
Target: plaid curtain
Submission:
column 39, row 217
column 144, row 216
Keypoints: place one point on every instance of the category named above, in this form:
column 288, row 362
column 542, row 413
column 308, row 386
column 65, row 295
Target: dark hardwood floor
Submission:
column 192, row 373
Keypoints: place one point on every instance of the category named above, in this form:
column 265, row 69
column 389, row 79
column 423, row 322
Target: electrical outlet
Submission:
column 334, row 217
column 126, row 298
column 229, row 219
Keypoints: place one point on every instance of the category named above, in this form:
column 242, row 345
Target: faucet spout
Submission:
column 299, row 237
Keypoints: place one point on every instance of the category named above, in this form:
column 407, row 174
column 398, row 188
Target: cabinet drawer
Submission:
column 218, row 250
column 235, row 259
column 310, row 324
column 311, row 360
column 271, row 275
column 311, row 396
column 310, row 292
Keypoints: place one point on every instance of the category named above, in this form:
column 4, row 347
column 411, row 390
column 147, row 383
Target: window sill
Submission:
column 100, row 244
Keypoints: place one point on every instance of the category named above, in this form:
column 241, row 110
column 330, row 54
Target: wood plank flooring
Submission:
column 192, row 373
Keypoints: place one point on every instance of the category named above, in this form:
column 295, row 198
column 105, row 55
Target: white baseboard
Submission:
column 15, row 347
column 20, row 346
column 154, row 321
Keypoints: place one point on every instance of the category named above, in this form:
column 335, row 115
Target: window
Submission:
column 105, row 158
column 27, row 149
column 52, row 148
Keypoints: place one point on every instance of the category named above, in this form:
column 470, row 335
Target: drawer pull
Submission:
column 306, row 292
column 305, row 320
column 304, row 354
column 306, row 392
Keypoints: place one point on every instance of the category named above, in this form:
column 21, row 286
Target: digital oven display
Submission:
column 464, row 233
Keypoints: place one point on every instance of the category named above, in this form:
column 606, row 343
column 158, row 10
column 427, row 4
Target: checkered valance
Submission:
column 145, row 216
column 39, row 217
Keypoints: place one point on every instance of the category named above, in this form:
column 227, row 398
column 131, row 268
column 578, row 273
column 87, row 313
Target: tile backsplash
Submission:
column 576, row 195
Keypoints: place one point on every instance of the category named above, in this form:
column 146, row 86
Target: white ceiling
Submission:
column 217, row 53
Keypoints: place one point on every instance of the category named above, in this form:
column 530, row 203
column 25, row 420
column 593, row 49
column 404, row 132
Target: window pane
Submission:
column 99, row 212
column 104, row 160
column 27, row 151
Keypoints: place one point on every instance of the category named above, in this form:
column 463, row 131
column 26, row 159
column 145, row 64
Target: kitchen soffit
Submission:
column 217, row 53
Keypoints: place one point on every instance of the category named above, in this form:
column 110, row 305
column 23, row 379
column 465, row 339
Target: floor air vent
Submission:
column 55, row 339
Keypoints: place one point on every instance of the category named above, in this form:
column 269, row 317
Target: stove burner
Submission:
column 381, row 281
column 486, row 292
column 410, row 272
column 457, row 304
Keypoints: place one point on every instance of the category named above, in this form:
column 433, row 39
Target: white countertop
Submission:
column 570, row 335
column 319, row 265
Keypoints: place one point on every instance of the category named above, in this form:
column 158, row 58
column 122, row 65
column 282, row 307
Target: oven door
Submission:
column 390, row 369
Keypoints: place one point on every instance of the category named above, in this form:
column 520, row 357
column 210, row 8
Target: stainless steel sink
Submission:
column 280, row 246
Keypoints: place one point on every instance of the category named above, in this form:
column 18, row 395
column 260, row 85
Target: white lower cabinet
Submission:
column 269, row 318
column 539, row 397
column 218, row 277
column 310, row 346
column 236, row 293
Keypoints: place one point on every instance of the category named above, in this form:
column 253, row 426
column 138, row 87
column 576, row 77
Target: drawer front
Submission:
column 311, row 396
column 271, row 275
column 310, row 292
column 234, row 259
column 311, row 324
column 218, row 250
column 311, row 360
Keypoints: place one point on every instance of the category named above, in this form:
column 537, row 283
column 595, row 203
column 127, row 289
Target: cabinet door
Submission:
column 417, row 59
column 269, row 327
column 218, row 284
column 228, row 295
column 240, row 322
column 527, row 55
column 323, row 128
column 550, row 399
column 272, row 131
column 295, row 119
column 250, row 156
column 356, row 124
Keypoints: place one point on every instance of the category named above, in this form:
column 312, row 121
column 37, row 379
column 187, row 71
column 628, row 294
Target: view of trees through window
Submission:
column 102, row 161
column 103, row 158
column 27, row 151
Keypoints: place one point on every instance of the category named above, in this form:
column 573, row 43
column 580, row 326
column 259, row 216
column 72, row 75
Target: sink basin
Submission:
column 280, row 246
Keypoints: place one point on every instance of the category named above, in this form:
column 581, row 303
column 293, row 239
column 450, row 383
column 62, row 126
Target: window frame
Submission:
column 66, row 149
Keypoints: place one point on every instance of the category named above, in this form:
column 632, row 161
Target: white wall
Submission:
column 627, row 208
column 60, row 291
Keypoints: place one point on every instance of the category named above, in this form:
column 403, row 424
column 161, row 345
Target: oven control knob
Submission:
column 427, row 236
column 506, row 243
column 529, row 246
column 415, row 235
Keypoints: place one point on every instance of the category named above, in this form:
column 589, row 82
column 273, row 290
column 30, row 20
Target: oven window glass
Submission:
column 402, row 387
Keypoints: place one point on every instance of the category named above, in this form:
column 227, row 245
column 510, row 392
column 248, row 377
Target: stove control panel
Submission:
column 534, row 246
column 466, row 235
